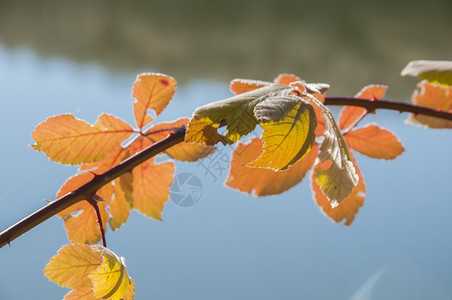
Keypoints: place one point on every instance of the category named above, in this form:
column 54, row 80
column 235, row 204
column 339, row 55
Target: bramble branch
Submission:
column 372, row 105
column 89, row 189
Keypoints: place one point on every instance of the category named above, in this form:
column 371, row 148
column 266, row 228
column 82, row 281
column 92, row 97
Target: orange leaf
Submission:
column 71, row 265
column 81, row 293
column 68, row 140
column 374, row 142
column 151, row 91
column 349, row 206
column 183, row 151
column 110, row 161
column 240, row 86
column 151, row 183
column 434, row 96
column 264, row 181
column 70, row 185
column 83, row 227
column 286, row 79
column 80, row 219
column 351, row 114
column 121, row 204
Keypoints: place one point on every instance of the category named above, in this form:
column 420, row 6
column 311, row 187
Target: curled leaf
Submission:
column 335, row 172
column 288, row 138
column 435, row 71
column 350, row 205
column 237, row 113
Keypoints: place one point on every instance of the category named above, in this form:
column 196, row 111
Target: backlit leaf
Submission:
column 121, row 205
column 264, row 181
column 182, row 151
column 89, row 271
column 434, row 71
column 350, row 115
column 290, row 136
column 151, row 91
column 68, row 140
column 151, row 183
column 286, row 79
column 237, row 113
column 434, row 96
column 374, row 142
column 348, row 208
column 110, row 280
column 72, row 264
column 335, row 172
column 240, row 86
column 80, row 219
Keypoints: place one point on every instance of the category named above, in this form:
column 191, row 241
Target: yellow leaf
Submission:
column 374, row 142
column 264, row 181
column 72, row 264
column 151, row 183
column 68, row 140
column 151, row 91
column 348, row 208
column 434, row 96
column 110, row 280
column 183, row 151
column 289, row 139
column 435, row 71
column 92, row 272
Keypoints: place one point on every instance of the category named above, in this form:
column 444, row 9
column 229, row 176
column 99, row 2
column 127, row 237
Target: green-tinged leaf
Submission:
column 335, row 172
column 290, row 136
column 435, row 71
column 237, row 113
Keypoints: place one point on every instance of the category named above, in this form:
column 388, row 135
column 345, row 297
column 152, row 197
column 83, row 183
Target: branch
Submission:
column 85, row 191
column 372, row 105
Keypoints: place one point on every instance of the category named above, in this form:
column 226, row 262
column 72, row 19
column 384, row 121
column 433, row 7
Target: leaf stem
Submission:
column 85, row 191
column 93, row 201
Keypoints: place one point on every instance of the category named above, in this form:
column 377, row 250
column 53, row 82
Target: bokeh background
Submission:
column 81, row 57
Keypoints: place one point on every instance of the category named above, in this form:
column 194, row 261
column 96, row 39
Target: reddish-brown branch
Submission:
column 85, row 191
column 91, row 187
column 372, row 105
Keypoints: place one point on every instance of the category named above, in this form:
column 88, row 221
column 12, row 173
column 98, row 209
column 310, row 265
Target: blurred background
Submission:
column 82, row 57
